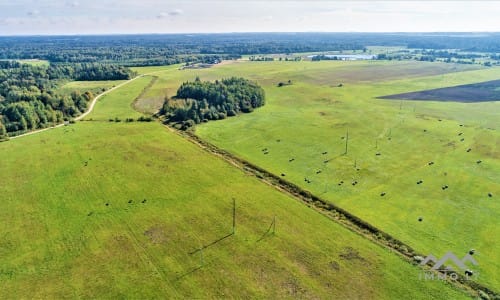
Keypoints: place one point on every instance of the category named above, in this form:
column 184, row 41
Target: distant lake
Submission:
column 349, row 56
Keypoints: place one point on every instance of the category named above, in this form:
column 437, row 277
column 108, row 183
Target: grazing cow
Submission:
column 420, row 219
column 144, row 201
column 382, row 194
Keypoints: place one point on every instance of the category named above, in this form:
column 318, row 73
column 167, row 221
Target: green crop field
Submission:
column 103, row 209
column 390, row 146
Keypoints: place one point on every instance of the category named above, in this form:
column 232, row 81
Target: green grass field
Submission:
column 101, row 209
column 312, row 116
column 35, row 62
column 95, row 87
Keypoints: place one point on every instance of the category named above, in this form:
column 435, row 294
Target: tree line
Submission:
column 200, row 101
column 29, row 99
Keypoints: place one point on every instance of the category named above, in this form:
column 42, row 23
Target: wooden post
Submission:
column 234, row 216
column 274, row 225
column 346, row 140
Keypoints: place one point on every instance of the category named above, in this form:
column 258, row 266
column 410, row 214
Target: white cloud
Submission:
column 33, row 13
column 171, row 13
column 162, row 15
column 175, row 12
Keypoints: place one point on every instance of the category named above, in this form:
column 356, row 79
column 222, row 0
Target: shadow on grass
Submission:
column 268, row 231
column 202, row 263
column 212, row 243
column 188, row 273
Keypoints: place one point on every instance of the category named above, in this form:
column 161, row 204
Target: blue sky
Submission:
column 22, row 17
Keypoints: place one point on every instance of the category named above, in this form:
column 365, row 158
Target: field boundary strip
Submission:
column 143, row 92
column 333, row 212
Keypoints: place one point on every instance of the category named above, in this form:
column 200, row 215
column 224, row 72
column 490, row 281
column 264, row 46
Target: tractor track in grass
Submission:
column 333, row 212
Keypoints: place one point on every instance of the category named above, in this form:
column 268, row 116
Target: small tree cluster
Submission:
column 202, row 101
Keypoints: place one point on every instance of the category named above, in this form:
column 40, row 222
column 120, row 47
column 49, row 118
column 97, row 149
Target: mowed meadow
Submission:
column 425, row 172
column 102, row 209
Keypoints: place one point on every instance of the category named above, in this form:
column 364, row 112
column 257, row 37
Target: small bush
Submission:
column 144, row 119
column 187, row 124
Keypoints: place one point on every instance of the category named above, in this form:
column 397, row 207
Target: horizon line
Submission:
column 247, row 32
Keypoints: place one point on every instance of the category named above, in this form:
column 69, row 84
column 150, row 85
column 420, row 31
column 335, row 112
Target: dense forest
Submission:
column 142, row 50
column 163, row 49
column 27, row 93
column 200, row 101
